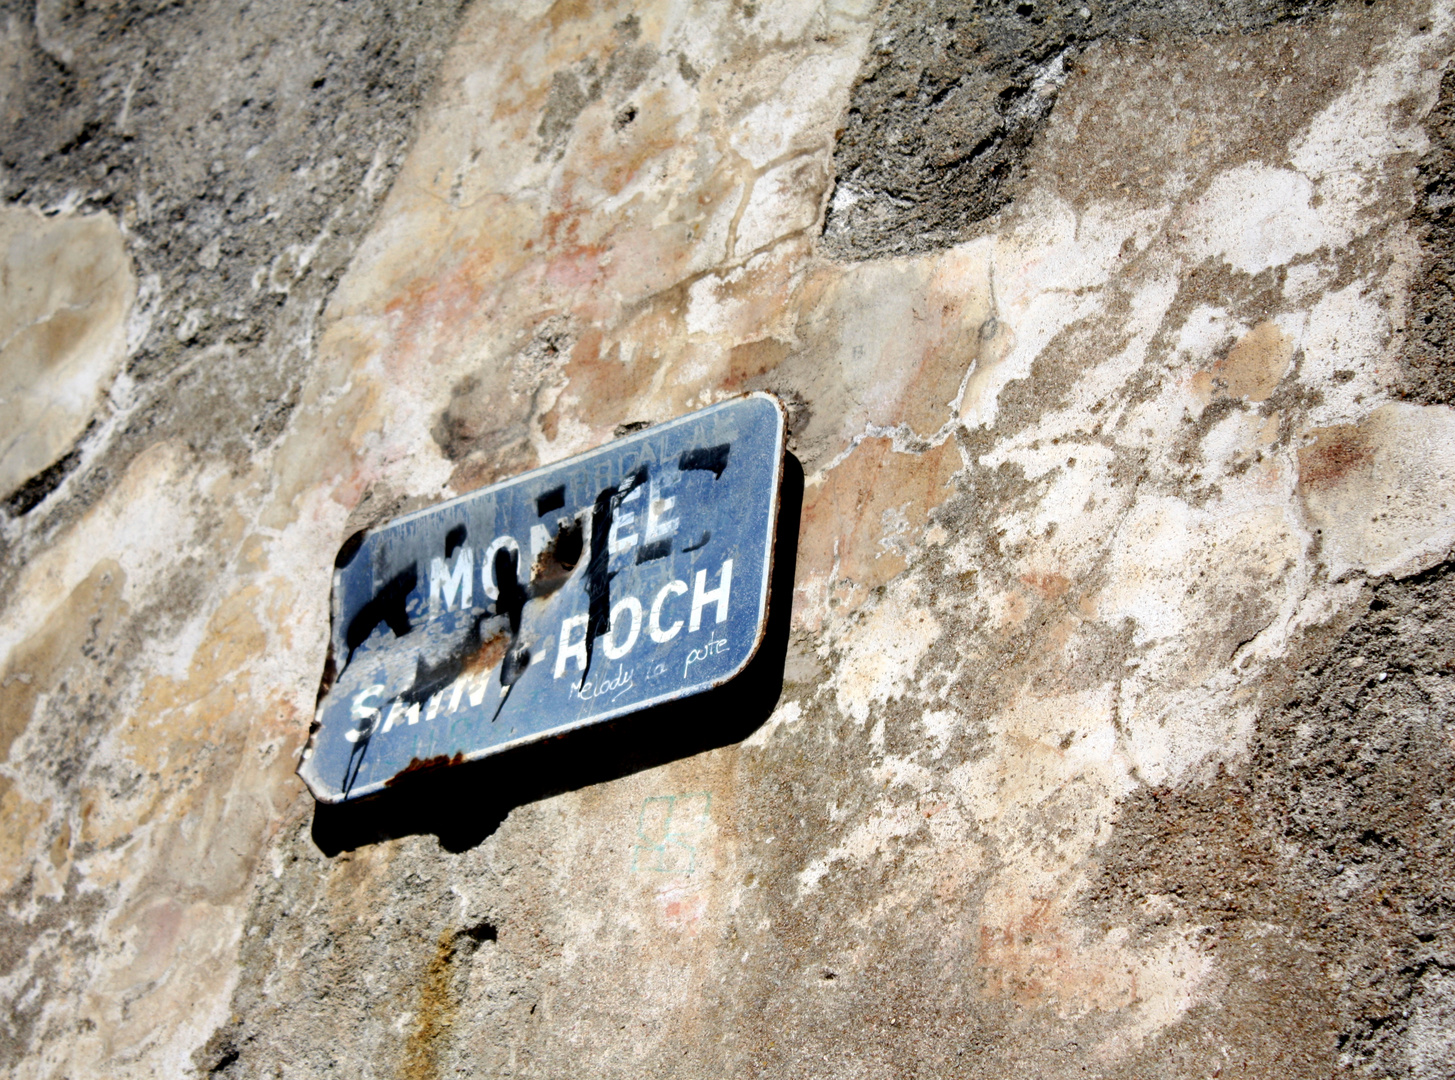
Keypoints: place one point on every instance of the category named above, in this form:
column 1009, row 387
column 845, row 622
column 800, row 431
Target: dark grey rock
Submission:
column 1429, row 374
column 1327, row 857
column 245, row 149
column 953, row 92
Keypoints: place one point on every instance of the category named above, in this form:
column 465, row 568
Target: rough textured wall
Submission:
column 1115, row 734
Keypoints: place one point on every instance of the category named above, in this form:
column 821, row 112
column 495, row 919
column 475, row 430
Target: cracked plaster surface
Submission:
column 1074, row 490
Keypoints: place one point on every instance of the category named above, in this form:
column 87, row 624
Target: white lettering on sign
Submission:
column 701, row 597
column 659, row 526
column 712, row 648
column 615, row 650
column 364, row 714
column 629, row 610
column 654, row 624
column 398, row 713
column 448, row 584
column 616, row 685
column 476, row 685
column 568, row 649
column 487, row 567
column 620, row 519
column 623, row 632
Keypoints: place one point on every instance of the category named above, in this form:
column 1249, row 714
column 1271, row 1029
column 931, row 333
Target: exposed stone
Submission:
column 1112, row 517
column 953, row 93
column 242, row 151
column 1325, row 857
column 1429, row 375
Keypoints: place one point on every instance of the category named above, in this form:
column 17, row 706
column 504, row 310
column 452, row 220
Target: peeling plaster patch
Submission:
column 1381, row 494
column 886, row 347
column 145, row 946
column 1047, row 795
column 1373, row 124
column 710, row 308
column 786, row 713
column 1343, row 345
column 1239, row 439
column 868, row 838
column 1168, row 536
column 124, row 528
column 880, row 655
column 1255, row 364
column 66, row 292
column 894, row 771
column 1203, row 332
column 1005, row 791
column 1165, row 980
column 1255, row 216
column 784, row 200
column 1045, row 276
column 799, row 114
column 860, row 522
column 1042, row 447
column 1431, row 1053
column 941, row 726
column 1175, row 733
column 1039, row 958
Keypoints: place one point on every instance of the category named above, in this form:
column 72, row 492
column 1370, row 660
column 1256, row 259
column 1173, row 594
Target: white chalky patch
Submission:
column 881, row 654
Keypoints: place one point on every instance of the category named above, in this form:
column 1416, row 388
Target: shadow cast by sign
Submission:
column 463, row 804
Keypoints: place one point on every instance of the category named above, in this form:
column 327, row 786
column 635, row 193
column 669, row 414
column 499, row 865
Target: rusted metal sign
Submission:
column 629, row 576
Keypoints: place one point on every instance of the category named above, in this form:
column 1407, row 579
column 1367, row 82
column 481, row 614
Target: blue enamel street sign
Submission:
column 628, row 576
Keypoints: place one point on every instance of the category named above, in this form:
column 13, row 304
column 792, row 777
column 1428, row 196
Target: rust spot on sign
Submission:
column 557, row 559
column 491, row 651
column 423, row 765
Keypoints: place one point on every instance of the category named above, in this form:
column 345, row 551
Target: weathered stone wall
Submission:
column 1115, row 735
